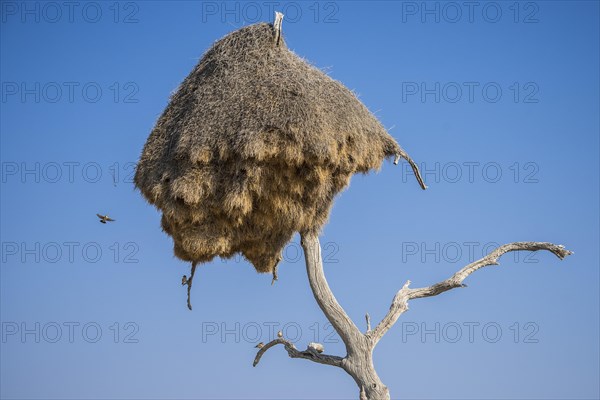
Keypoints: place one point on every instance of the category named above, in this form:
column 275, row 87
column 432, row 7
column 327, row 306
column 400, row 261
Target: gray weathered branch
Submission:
column 413, row 165
column 308, row 354
column 188, row 281
column 491, row 259
column 400, row 301
column 398, row 307
column 340, row 321
column 277, row 25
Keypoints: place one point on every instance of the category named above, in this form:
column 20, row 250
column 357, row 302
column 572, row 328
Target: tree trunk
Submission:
column 361, row 368
column 359, row 361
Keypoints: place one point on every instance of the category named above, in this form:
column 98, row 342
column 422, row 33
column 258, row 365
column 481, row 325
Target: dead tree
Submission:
column 254, row 146
column 358, row 361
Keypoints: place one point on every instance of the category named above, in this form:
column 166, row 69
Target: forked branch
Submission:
column 400, row 302
column 358, row 362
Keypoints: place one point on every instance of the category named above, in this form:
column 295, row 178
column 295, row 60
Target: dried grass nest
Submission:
column 253, row 147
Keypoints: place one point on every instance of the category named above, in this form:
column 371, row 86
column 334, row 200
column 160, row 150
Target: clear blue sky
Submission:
column 499, row 103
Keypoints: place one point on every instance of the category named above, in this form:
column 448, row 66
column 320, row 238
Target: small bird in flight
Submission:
column 105, row 218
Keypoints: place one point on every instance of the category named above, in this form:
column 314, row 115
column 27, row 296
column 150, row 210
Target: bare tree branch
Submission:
column 340, row 321
column 277, row 25
column 400, row 302
column 413, row 165
column 275, row 277
column 188, row 281
column 399, row 306
column 308, row 354
column 491, row 259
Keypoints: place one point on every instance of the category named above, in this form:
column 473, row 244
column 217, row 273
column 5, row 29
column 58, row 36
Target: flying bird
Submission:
column 260, row 345
column 105, row 218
